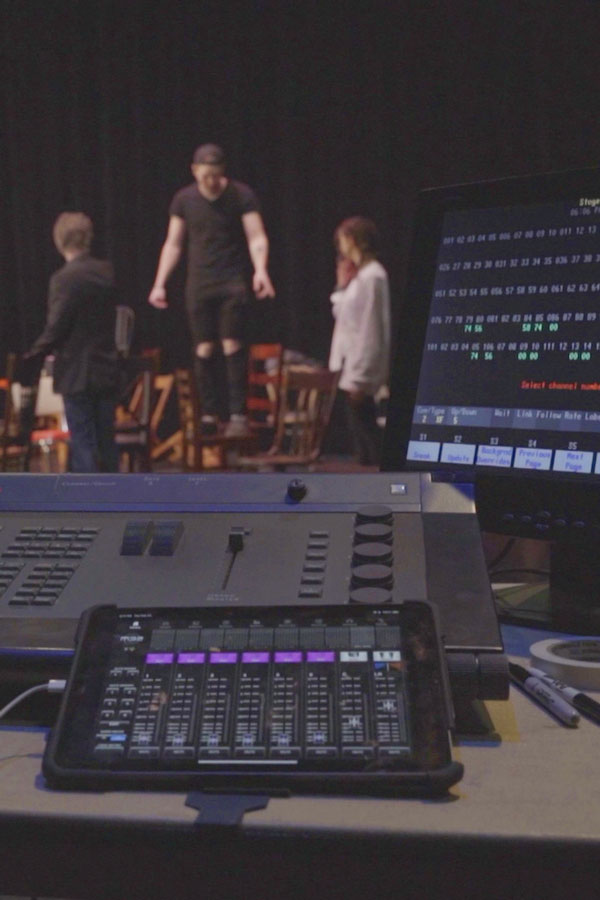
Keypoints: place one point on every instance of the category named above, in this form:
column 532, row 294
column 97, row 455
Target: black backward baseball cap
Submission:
column 209, row 154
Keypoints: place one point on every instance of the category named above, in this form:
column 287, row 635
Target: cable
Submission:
column 504, row 608
column 522, row 571
column 54, row 686
column 510, row 543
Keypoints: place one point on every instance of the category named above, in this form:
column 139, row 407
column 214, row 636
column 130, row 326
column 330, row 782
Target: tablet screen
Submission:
column 309, row 698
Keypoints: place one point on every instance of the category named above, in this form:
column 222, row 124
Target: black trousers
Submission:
column 216, row 314
column 90, row 417
column 366, row 433
column 206, row 371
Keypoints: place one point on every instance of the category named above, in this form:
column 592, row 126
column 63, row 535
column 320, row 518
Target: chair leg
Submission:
column 62, row 456
column 46, row 463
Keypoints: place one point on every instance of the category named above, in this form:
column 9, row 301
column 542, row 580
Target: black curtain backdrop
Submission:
column 326, row 109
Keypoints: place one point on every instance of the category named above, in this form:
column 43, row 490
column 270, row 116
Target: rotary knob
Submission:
column 373, row 532
column 371, row 575
column 378, row 554
column 296, row 490
column 371, row 596
column 382, row 515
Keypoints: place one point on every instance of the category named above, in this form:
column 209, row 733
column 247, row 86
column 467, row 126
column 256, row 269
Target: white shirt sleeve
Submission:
column 336, row 352
column 362, row 331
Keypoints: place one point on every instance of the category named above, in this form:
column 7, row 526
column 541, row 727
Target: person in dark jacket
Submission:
column 80, row 330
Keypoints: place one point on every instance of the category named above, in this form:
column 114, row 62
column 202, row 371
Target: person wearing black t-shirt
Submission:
column 221, row 221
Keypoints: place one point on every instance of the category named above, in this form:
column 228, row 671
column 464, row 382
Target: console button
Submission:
column 362, row 637
column 235, row 639
column 337, row 638
column 312, row 638
column 310, row 592
column 260, row 638
column 162, row 639
column 135, row 538
column 286, row 638
column 167, row 535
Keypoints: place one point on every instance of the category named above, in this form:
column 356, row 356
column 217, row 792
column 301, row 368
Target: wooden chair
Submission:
column 54, row 444
column 200, row 451
column 17, row 422
column 154, row 355
column 50, row 436
column 132, row 419
column 124, row 325
column 162, row 388
column 306, row 401
column 265, row 363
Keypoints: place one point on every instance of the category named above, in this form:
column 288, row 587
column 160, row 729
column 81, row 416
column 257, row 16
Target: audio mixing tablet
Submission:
column 311, row 699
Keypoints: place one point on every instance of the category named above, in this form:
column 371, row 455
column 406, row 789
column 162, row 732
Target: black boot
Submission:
column 205, row 372
column 236, row 381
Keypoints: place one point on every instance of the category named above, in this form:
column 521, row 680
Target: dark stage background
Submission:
column 327, row 109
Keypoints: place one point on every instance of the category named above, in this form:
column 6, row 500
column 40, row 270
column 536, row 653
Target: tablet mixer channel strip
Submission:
column 247, row 706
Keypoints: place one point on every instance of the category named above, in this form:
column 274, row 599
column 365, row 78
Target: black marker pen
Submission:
column 578, row 699
column 544, row 695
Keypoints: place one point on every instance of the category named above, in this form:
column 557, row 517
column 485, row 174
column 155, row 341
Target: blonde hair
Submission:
column 73, row 231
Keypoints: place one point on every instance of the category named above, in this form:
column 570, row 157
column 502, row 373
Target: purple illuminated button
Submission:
column 255, row 657
column 288, row 656
column 320, row 656
column 160, row 659
column 191, row 657
column 223, row 658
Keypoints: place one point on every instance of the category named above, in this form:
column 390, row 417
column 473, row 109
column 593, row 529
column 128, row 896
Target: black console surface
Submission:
column 70, row 542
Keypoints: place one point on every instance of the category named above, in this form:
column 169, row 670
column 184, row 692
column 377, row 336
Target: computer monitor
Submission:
column 496, row 377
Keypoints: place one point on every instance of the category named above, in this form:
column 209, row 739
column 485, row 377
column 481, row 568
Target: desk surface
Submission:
column 527, row 808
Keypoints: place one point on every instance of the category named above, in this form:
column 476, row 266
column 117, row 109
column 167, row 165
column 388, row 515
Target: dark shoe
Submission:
column 237, row 427
column 208, row 425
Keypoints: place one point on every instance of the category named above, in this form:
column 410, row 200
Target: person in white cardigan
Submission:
column 360, row 345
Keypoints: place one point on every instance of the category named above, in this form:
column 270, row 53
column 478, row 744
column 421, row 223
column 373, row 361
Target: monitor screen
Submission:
column 496, row 376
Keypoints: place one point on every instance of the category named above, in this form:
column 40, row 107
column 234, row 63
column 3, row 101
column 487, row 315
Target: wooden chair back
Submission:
column 265, row 363
column 162, row 385
column 124, row 325
column 200, row 451
column 132, row 417
column 306, row 400
column 17, row 423
column 189, row 417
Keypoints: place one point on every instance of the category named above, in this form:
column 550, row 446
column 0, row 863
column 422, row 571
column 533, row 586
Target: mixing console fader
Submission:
column 68, row 542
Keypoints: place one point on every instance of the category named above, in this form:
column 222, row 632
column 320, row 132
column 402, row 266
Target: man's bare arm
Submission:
column 258, row 247
column 169, row 257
